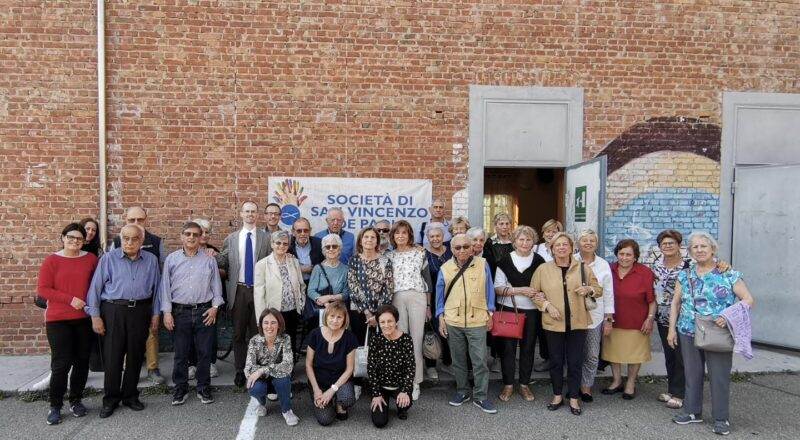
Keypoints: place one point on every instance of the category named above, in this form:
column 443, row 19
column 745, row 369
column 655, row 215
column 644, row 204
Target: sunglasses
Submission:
column 281, row 243
column 382, row 230
column 330, row 247
column 192, row 234
column 74, row 238
column 462, row 247
column 302, row 231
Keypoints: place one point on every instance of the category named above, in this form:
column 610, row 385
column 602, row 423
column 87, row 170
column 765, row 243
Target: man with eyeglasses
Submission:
column 383, row 227
column 240, row 252
column 335, row 220
column 304, row 246
column 191, row 293
column 464, row 290
column 155, row 245
column 123, row 302
column 273, row 212
column 437, row 216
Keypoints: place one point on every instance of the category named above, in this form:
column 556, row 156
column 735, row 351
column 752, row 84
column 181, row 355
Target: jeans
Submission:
column 69, row 347
column 283, row 387
column 469, row 343
column 191, row 331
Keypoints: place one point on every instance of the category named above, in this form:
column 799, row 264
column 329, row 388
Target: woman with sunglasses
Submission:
column 328, row 282
column 64, row 279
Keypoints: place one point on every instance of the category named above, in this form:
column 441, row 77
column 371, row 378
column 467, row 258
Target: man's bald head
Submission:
column 136, row 215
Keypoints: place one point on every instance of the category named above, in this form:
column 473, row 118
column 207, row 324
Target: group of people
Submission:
column 358, row 306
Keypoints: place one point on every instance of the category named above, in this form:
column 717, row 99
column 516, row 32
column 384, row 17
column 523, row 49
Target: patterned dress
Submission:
column 708, row 294
column 371, row 283
column 666, row 278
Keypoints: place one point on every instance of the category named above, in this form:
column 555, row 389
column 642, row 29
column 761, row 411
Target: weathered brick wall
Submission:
column 208, row 98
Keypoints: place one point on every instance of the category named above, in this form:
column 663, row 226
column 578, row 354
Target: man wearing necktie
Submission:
column 240, row 251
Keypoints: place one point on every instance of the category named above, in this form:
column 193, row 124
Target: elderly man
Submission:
column 383, row 227
column 155, row 245
column 273, row 212
column 335, row 220
column 240, row 251
column 305, row 247
column 463, row 289
column 123, row 303
column 437, row 216
column 191, row 293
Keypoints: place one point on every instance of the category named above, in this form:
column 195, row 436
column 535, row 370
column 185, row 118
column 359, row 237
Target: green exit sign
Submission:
column 580, row 203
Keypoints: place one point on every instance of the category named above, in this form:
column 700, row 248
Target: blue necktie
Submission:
column 248, row 260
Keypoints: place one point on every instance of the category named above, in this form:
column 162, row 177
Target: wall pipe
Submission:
column 101, row 121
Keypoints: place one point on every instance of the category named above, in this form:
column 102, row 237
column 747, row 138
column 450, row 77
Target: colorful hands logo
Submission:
column 289, row 195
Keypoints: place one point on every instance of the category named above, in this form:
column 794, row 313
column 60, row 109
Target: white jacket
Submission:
column 268, row 288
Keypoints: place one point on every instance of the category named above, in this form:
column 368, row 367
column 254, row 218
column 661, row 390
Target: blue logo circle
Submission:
column 289, row 214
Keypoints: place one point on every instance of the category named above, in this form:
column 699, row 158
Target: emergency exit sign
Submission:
column 580, row 203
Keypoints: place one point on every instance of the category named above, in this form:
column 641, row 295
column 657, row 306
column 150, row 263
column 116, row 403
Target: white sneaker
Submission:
column 357, row 391
column 415, row 392
column 42, row 384
column 192, row 372
column 432, row 373
column 290, row 418
column 272, row 397
column 261, row 411
column 213, row 372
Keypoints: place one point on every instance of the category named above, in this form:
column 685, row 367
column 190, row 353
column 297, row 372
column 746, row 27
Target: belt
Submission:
column 179, row 306
column 130, row 302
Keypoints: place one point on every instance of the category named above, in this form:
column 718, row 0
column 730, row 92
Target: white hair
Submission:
column 205, row 224
column 332, row 239
column 277, row 235
column 705, row 236
column 475, row 232
column 435, row 226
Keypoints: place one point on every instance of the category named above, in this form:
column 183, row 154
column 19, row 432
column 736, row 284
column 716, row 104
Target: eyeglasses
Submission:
column 331, row 247
column 135, row 238
column 74, row 238
column 302, row 231
column 462, row 247
column 273, row 213
column 383, row 230
column 192, row 234
column 281, row 243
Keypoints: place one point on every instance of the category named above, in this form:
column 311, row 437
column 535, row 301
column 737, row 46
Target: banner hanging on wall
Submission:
column 364, row 201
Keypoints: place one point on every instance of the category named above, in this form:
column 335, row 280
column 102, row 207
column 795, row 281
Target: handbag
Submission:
column 431, row 345
column 708, row 335
column 40, row 302
column 590, row 302
column 507, row 324
column 362, row 354
column 311, row 310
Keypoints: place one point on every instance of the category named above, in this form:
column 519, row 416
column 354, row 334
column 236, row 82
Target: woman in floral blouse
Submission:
column 370, row 279
column 270, row 361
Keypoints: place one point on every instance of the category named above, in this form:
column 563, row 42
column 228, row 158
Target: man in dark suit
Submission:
column 240, row 252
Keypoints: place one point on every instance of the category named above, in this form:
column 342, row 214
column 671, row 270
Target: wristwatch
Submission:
column 335, row 388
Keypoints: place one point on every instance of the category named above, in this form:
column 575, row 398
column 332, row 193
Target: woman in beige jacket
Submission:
column 279, row 284
column 562, row 297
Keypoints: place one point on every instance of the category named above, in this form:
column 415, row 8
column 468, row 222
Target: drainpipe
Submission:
column 101, row 121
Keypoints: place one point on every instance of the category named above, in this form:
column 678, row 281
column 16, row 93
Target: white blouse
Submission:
column 500, row 280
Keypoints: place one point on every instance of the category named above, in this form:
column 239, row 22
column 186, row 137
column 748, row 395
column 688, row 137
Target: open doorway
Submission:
column 531, row 196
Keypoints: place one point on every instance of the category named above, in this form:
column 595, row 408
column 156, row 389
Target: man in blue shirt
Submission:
column 191, row 293
column 335, row 220
column 124, row 306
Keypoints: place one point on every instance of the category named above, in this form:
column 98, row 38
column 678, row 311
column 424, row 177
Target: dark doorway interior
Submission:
column 531, row 195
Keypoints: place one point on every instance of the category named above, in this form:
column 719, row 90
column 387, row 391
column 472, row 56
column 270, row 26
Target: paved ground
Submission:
column 765, row 406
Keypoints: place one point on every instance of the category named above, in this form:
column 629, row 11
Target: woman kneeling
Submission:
column 390, row 366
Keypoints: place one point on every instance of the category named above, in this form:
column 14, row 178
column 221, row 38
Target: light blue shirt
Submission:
column 120, row 277
column 190, row 280
column 440, row 290
column 303, row 256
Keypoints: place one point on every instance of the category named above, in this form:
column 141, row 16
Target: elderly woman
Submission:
column 563, row 291
column 459, row 225
column 634, row 312
column 330, row 361
column 602, row 316
column 437, row 254
column 390, row 366
column 370, row 280
column 512, row 284
column 279, row 284
column 328, row 282
column 704, row 291
column 64, row 279
column 549, row 230
column 270, row 362
column 412, row 290
column 501, row 243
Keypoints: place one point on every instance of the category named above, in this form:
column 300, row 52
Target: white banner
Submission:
column 364, row 201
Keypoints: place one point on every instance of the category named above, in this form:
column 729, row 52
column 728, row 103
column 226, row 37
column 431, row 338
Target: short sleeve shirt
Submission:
column 328, row 367
column 709, row 294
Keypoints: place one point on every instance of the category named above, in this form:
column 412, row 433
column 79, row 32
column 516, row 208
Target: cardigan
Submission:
column 547, row 279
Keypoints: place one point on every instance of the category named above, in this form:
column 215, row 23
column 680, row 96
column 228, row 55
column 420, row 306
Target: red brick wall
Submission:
column 208, row 98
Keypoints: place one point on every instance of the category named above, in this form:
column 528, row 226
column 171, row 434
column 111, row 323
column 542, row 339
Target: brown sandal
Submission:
column 526, row 393
column 505, row 395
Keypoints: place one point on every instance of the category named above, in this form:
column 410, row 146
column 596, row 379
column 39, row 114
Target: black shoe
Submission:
column 179, row 399
column 107, row 411
column 240, row 380
column 134, row 404
column 402, row 415
column 575, row 411
column 630, row 396
column 609, row 391
column 341, row 416
column 205, row 397
column 555, row 406
column 587, row 397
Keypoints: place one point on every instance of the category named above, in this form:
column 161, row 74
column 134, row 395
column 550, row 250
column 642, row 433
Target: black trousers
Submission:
column 127, row 329
column 508, row 360
column 70, row 345
column 566, row 345
column 676, row 380
column 380, row 418
column 358, row 325
column 292, row 320
column 244, row 324
column 544, row 352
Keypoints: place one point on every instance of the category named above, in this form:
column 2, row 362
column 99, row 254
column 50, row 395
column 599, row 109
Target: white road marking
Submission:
column 247, row 429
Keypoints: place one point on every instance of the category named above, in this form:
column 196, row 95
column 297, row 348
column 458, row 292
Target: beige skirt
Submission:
column 626, row 347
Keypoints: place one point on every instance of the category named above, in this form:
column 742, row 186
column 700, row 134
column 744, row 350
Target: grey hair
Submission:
column 587, row 233
column 383, row 220
column 501, row 215
column 205, row 224
column 328, row 214
column 524, row 230
column 475, row 232
column 332, row 239
column 134, row 225
column 705, row 236
column 435, row 226
column 459, row 236
column 277, row 235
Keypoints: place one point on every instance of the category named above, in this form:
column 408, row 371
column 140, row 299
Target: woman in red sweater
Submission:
column 64, row 279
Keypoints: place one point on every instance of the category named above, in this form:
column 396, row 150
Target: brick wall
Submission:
column 208, row 98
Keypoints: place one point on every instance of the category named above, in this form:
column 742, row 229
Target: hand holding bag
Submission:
column 508, row 324
column 590, row 302
column 708, row 335
column 362, row 353
column 431, row 346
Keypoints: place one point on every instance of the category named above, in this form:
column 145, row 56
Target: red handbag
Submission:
column 507, row 324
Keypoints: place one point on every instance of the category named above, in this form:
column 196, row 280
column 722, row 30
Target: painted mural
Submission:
column 662, row 173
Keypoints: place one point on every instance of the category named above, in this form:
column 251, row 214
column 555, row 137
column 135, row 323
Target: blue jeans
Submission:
column 283, row 387
column 191, row 331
